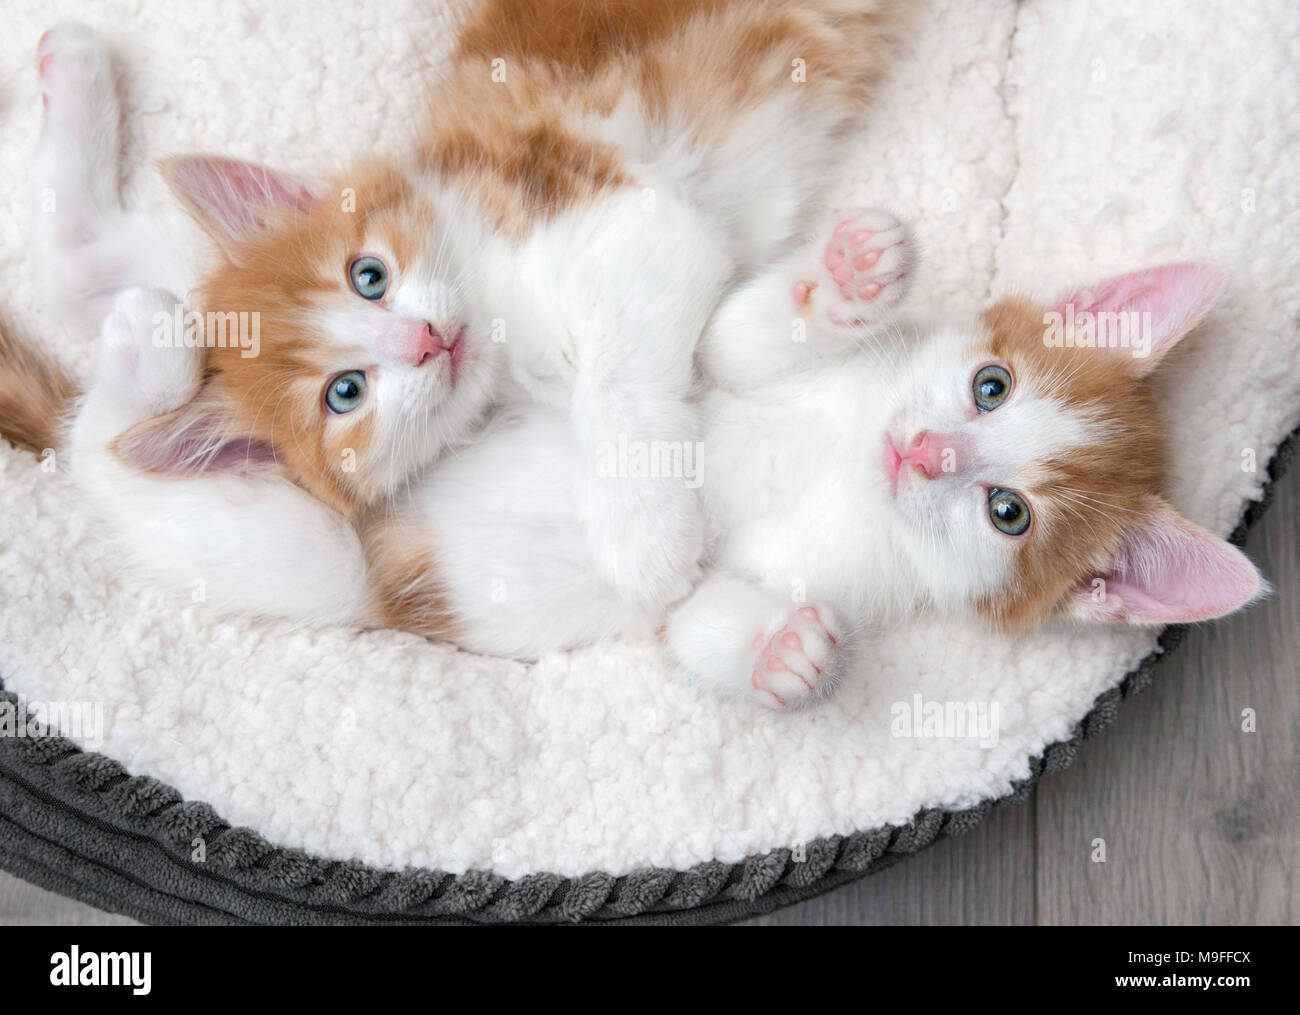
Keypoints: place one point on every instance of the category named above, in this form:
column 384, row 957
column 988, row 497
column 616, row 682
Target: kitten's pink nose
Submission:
column 419, row 342
column 926, row 454
column 428, row 344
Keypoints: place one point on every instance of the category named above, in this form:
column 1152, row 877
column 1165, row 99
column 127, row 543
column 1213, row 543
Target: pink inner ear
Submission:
column 187, row 443
column 1176, row 572
column 243, row 453
column 260, row 187
column 1177, row 296
column 231, row 197
column 1125, row 293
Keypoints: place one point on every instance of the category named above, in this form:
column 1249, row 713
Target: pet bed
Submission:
column 249, row 772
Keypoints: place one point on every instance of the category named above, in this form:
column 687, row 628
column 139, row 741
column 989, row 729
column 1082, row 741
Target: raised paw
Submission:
column 75, row 173
column 803, row 661
column 141, row 363
column 76, row 75
column 862, row 272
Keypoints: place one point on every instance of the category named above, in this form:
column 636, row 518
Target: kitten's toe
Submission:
column 803, row 661
column 74, row 68
column 863, row 272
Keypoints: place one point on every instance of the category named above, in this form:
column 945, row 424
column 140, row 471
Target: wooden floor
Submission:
column 1200, row 819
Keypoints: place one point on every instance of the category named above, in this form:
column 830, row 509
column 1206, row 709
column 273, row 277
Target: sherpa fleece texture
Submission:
column 1031, row 146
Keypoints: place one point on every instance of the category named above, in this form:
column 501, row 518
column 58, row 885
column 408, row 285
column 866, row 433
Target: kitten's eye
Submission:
column 346, row 391
column 992, row 385
column 369, row 277
column 1008, row 512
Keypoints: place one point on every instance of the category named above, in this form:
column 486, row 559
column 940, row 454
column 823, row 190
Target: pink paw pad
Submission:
column 800, row 662
column 866, row 256
column 854, row 252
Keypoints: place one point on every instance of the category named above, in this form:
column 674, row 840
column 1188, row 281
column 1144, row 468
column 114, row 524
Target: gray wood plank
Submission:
column 1200, row 818
column 985, row 877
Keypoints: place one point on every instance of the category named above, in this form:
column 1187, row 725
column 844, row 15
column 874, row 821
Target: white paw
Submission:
column 863, row 272
column 76, row 77
column 803, row 661
column 647, row 540
column 150, row 366
column 75, row 171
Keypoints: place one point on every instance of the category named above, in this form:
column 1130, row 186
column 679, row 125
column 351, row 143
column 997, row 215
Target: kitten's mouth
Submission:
column 893, row 463
column 456, row 352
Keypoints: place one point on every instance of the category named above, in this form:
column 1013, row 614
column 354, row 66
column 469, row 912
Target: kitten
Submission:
column 852, row 477
column 590, row 181
column 1006, row 468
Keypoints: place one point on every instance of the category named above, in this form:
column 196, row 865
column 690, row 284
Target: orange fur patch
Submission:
column 35, row 393
column 401, row 566
column 526, row 71
column 300, row 263
column 1082, row 502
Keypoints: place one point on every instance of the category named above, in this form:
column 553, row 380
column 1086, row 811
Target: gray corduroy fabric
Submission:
column 79, row 824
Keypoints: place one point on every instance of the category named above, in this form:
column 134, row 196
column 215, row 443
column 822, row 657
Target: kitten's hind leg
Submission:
column 75, row 197
column 744, row 638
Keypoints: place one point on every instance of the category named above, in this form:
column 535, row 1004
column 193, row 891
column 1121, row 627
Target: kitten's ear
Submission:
column 1176, row 296
column 232, row 200
column 1169, row 571
column 195, row 439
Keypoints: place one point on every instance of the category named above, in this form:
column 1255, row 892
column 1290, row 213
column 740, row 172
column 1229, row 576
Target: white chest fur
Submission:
column 795, row 490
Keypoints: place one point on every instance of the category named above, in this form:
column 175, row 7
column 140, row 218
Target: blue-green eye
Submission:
column 991, row 386
column 346, row 391
column 1008, row 512
column 369, row 277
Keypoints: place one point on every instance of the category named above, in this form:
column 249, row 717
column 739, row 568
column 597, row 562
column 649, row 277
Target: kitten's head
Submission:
column 368, row 359
column 1026, row 461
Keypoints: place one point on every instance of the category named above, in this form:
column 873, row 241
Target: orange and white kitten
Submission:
column 1009, row 468
column 592, row 178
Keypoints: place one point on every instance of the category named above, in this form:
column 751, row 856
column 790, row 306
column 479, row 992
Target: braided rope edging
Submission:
column 708, row 892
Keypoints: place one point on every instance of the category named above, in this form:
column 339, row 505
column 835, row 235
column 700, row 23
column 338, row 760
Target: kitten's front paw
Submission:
column 863, row 273
column 76, row 78
column 649, row 548
column 803, row 661
column 141, row 363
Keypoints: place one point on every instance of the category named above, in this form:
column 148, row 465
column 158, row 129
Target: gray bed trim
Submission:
column 79, row 824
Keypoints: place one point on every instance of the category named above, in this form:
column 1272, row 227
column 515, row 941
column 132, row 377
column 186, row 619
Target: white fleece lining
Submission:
column 1031, row 146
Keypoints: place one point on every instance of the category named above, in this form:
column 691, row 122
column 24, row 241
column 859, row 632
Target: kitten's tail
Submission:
column 35, row 395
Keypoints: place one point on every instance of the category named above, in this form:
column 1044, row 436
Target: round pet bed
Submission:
column 377, row 777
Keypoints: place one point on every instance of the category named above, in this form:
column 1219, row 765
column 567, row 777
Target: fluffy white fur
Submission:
column 667, row 775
